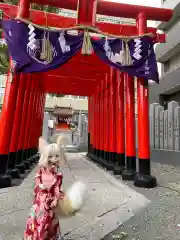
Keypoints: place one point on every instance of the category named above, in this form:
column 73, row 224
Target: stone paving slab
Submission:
column 109, row 203
column 161, row 219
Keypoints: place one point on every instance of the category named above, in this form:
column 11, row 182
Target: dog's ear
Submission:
column 42, row 143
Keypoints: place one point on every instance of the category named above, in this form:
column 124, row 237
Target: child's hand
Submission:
column 42, row 186
column 54, row 203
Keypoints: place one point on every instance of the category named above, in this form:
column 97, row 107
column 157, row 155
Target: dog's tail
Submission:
column 62, row 140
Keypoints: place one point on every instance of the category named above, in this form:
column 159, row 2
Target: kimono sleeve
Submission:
column 37, row 179
column 58, row 192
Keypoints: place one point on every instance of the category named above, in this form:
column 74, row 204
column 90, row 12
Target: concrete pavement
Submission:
column 109, row 203
column 161, row 219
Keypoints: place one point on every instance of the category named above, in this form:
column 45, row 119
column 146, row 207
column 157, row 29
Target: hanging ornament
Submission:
column 87, row 48
column 128, row 58
column 47, row 49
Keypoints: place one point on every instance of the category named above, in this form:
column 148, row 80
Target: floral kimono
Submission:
column 42, row 223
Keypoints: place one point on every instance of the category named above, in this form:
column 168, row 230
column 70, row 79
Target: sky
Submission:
column 155, row 3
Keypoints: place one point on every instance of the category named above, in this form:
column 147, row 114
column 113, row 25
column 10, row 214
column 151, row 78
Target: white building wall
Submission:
column 76, row 103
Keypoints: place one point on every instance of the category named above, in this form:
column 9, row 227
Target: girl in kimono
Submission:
column 43, row 221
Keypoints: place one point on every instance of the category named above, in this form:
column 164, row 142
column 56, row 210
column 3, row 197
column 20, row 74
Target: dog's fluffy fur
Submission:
column 53, row 152
column 73, row 200
column 74, row 196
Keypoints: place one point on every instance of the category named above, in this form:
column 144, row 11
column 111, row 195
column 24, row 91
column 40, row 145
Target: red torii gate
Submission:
column 22, row 114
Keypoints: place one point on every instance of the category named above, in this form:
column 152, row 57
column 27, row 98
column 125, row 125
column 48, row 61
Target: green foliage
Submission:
column 35, row 6
column 4, row 59
column 45, row 8
column 56, row 95
column 73, row 127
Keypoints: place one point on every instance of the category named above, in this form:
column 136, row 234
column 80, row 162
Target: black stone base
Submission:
column 128, row 175
column 100, row 162
column 117, row 170
column 33, row 159
column 14, row 173
column 144, row 166
column 28, row 154
column 90, row 152
column 35, row 153
column 93, row 155
column 90, row 156
column 112, row 158
column 21, row 168
column 101, row 159
column 120, row 164
column 107, row 164
column 26, row 165
column 130, row 170
column 98, row 156
column 30, row 160
column 89, row 147
column 12, row 160
column 3, row 163
column 32, row 152
column 35, row 150
column 19, row 157
column 5, row 181
column 131, row 163
column 143, row 178
column 25, row 155
column 144, row 181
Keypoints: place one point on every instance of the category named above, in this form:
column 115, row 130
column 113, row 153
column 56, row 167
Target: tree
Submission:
column 4, row 58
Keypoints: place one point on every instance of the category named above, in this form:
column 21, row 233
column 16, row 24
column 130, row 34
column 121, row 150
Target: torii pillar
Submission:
column 86, row 14
column 143, row 178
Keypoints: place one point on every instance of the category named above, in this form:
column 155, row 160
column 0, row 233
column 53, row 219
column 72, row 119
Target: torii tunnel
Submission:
column 111, row 123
